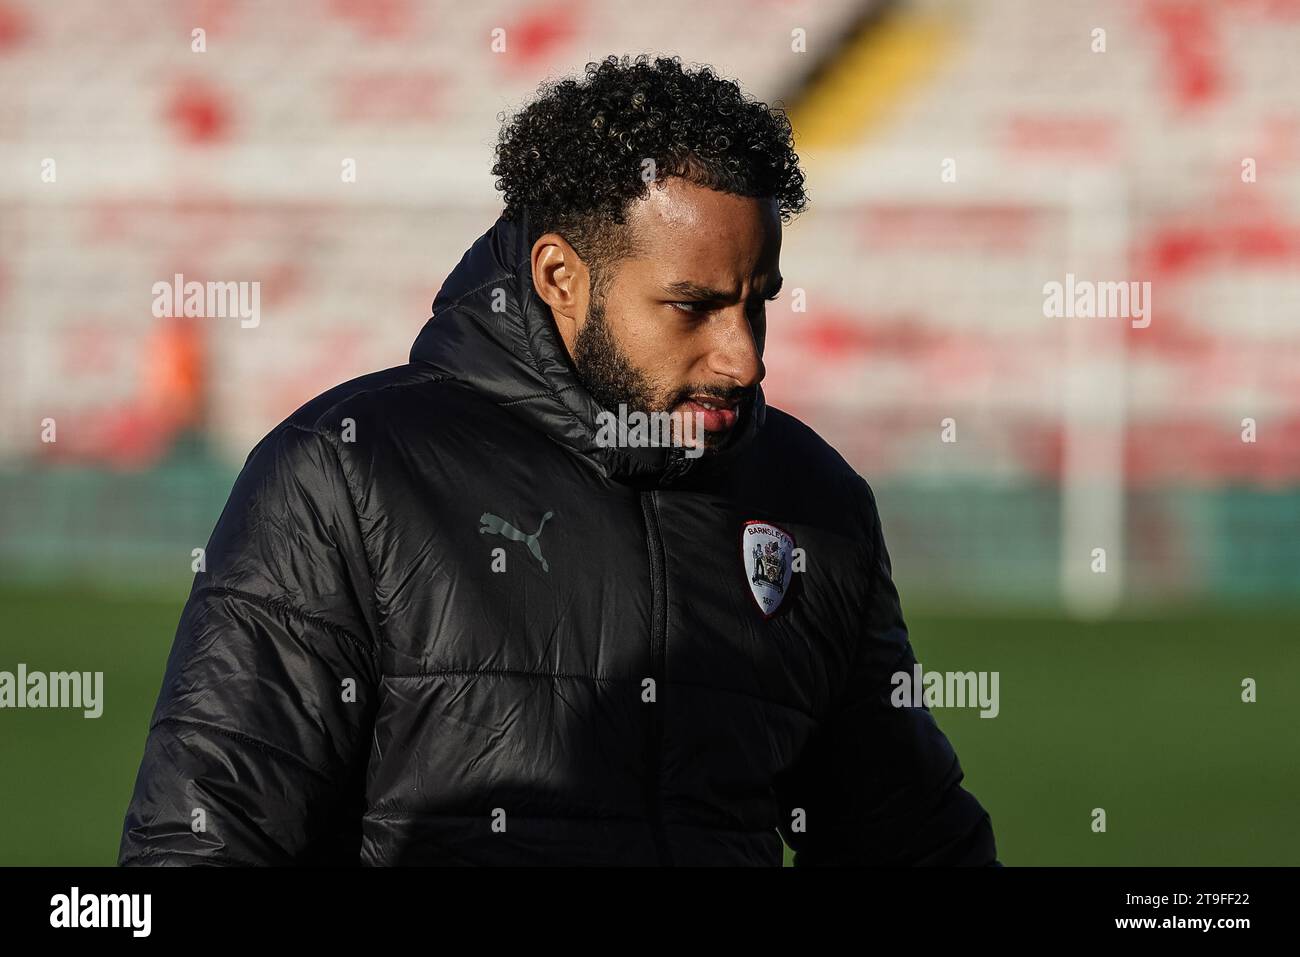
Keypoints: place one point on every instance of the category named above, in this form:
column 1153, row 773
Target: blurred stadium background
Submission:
column 924, row 302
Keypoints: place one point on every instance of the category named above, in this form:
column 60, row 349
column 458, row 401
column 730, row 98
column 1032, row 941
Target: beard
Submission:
column 612, row 379
column 607, row 373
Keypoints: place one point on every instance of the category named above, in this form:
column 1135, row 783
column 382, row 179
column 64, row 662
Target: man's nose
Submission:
column 736, row 353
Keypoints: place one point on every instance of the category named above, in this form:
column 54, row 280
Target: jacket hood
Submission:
column 491, row 331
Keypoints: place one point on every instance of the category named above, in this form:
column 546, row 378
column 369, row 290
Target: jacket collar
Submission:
column 491, row 331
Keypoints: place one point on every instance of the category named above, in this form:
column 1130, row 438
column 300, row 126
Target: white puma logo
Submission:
column 495, row 525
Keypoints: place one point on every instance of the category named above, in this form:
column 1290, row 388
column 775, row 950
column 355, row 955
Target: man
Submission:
column 451, row 616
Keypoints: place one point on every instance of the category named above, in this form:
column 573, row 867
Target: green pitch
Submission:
column 1141, row 717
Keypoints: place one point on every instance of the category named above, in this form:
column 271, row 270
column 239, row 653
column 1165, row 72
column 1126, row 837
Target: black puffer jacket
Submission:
column 440, row 624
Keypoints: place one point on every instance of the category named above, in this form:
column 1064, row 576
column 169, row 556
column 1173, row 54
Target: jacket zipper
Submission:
column 658, row 643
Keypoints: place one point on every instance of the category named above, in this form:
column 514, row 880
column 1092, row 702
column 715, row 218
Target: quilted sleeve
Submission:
column 880, row 785
column 257, row 750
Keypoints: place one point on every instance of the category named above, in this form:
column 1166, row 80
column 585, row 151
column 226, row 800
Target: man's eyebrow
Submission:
column 693, row 290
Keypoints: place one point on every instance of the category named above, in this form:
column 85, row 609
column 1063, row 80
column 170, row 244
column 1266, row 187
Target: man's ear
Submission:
column 563, row 283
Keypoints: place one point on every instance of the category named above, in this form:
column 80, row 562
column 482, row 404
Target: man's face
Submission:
column 681, row 325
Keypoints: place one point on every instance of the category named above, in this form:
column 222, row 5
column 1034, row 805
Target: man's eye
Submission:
column 698, row 307
column 693, row 308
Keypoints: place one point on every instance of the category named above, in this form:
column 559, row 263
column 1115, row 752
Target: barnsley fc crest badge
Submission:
column 767, row 552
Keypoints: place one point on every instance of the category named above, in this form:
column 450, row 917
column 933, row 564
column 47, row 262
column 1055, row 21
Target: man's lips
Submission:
column 719, row 415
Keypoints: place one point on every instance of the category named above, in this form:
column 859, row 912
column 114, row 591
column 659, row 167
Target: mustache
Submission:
column 741, row 396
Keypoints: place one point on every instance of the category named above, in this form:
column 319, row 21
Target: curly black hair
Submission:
column 575, row 157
